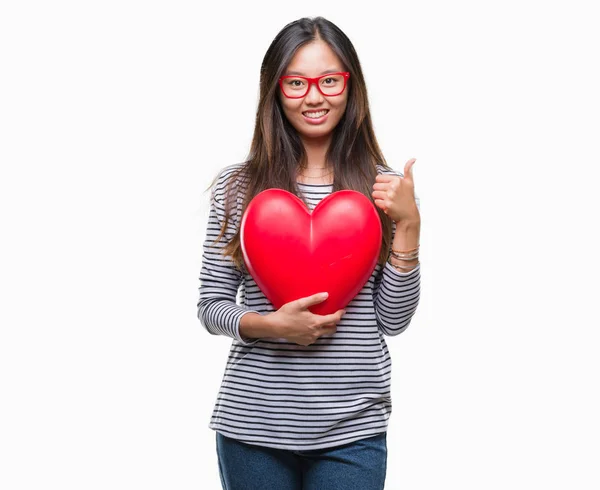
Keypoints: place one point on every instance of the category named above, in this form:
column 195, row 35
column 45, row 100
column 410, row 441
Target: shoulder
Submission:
column 227, row 174
column 227, row 192
column 229, row 180
column 385, row 169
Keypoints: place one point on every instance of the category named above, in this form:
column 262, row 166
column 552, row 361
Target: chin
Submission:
column 317, row 128
column 320, row 133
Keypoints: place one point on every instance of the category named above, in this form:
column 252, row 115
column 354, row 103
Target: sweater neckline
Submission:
column 314, row 185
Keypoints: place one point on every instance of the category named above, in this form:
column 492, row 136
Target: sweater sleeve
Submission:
column 396, row 294
column 220, row 279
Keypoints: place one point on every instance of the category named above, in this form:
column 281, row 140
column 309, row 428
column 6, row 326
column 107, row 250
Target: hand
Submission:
column 296, row 323
column 396, row 195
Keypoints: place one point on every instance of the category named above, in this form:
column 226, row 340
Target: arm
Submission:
column 396, row 293
column 218, row 310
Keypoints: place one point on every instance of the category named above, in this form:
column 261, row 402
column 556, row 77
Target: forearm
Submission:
column 397, row 292
column 406, row 237
column 255, row 326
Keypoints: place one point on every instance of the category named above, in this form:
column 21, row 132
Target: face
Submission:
column 313, row 60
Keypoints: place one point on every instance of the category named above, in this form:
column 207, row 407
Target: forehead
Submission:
column 314, row 59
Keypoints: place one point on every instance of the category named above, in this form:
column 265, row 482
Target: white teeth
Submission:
column 315, row 115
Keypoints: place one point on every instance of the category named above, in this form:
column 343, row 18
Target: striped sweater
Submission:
column 279, row 394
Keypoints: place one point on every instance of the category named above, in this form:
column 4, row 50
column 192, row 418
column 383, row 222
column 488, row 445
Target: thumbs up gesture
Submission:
column 396, row 195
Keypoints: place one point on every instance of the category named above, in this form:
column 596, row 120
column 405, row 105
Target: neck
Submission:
column 316, row 149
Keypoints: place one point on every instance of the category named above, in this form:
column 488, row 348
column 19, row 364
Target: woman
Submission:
column 305, row 399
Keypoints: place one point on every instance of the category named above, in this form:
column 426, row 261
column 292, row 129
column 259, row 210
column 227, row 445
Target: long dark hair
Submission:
column 277, row 149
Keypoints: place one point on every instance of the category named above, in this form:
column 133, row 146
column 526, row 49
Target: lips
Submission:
column 315, row 121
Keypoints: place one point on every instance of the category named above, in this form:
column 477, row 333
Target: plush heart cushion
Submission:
column 292, row 253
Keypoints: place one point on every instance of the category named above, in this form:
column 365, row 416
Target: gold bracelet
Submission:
column 406, row 251
column 404, row 269
column 399, row 267
column 405, row 256
column 392, row 262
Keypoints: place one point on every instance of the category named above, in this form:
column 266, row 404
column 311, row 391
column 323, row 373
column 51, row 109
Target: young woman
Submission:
column 305, row 398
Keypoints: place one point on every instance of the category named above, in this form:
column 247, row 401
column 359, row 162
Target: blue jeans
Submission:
column 360, row 465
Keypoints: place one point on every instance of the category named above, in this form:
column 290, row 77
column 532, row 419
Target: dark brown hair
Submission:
column 277, row 150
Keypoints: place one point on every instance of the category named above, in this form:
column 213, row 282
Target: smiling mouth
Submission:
column 315, row 115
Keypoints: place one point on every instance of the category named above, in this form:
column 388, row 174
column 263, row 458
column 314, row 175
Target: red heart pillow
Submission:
column 292, row 253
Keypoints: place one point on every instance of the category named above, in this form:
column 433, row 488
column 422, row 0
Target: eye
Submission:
column 294, row 82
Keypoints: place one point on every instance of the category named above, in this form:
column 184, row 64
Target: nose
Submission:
column 313, row 95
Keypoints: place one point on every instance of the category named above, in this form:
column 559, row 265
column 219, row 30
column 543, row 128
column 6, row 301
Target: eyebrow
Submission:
column 331, row 70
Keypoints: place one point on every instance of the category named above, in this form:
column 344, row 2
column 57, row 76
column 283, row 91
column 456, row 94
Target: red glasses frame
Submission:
column 315, row 80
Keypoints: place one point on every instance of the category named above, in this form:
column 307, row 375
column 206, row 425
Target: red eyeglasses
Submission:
column 296, row 87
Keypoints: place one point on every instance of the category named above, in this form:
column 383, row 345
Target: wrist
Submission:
column 406, row 236
column 403, row 265
column 253, row 325
column 408, row 224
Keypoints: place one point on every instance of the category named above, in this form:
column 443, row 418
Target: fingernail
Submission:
column 324, row 295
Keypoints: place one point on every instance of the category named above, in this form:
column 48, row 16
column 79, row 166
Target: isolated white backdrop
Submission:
column 116, row 115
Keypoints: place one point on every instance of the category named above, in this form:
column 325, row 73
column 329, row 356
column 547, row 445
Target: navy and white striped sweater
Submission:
column 283, row 395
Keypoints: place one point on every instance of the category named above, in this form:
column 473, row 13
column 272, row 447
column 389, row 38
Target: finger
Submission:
column 408, row 168
column 332, row 317
column 385, row 178
column 312, row 300
column 380, row 195
column 385, row 202
column 380, row 203
column 327, row 331
column 381, row 186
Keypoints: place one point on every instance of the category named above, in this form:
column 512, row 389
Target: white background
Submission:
column 116, row 115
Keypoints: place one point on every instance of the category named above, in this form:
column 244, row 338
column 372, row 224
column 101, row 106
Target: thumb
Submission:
column 408, row 168
column 312, row 300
